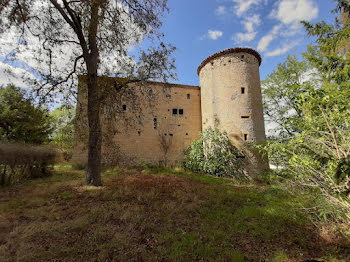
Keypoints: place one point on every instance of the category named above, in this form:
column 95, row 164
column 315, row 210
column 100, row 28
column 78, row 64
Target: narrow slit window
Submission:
column 174, row 111
column 139, row 132
column 124, row 107
column 244, row 116
column 245, row 137
column 242, row 90
column 181, row 111
column 170, row 134
column 155, row 123
column 188, row 96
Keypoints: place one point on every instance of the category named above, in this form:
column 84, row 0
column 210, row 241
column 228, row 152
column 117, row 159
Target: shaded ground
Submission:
column 140, row 216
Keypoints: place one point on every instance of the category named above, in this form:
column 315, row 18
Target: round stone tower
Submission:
column 231, row 98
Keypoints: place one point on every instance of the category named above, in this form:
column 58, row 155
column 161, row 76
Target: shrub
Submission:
column 21, row 162
column 213, row 153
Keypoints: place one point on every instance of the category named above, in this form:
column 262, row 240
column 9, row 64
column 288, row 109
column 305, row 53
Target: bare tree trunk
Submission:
column 93, row 176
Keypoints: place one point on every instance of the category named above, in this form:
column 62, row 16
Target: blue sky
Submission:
column 270, row 27
column 199, row 28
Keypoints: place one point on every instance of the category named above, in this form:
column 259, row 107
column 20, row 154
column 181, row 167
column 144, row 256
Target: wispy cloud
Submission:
column 242, row 6
column 221, row 10
column 212, row 34
column 266, row 40
column 283, row 50
column 249, row 24
column 14, row 75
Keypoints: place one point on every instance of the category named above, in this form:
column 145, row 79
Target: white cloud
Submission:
column 283, row 50
column 14, row 75
column 214, row 34
column 221, row 10
column 249, row 24
column 266, row 40
column 244, row 37
column 293, row 11
column 241, row 6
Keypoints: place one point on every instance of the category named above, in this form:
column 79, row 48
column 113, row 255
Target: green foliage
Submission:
column 283, row 91
column 213, row 153
column 20, row 120
column 63, row 134
column 317, row 157
column 19, row 162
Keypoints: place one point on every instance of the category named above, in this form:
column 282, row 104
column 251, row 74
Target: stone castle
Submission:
column 154, row 122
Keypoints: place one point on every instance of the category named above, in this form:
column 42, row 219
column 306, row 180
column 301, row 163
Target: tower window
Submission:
column 174, row 111
column 155, row 123
column 245, row 137
column 124, row 107
column 139, row 132
column 170, row 134
column 181, row 111
column 188, row 96
column 186, row 134
column 242, row 90
column 244, row 116
column 242, row 56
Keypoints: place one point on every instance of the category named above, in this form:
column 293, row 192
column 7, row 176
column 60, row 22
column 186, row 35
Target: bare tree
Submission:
column 58, row 39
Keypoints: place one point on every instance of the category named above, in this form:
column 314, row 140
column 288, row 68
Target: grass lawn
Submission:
column 158, row 215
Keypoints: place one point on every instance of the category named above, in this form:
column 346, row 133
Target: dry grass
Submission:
column 142, row 216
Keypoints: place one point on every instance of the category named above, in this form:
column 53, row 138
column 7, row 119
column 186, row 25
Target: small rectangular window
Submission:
column 124, row 107
column 245, row 137
column 188, row 96
column 170, row 134
column 242, row 90
column 244, row 116
column 174, row 111
column 155, row 123
column 181, row 111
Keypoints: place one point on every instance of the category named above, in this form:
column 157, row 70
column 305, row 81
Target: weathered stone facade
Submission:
column 155, row 122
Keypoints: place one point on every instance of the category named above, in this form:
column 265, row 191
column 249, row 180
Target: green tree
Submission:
column 63, row 124
column 62, row 38
column 20, row 120
column 318, row 156
column 213, row 153
column 282, row 93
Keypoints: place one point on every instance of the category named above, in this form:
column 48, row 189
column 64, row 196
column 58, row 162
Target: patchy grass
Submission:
column 157, row 215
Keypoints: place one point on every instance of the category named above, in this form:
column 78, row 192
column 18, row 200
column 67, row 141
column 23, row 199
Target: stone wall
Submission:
column 142, row 123
column 231, row 98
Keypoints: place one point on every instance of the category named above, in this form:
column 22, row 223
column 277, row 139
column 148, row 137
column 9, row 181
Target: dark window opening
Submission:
column 174, row 111
column 165, row 134
column 168, row 109
column 181, row 111
column 170, row 134
column 139, row 132
column 188, row 96
column 155, row 123
column 242, row 90
column 186, row 134
column 242, row 56
column 178, row 125
column 229, row 61
column 124, row 107
column 245, row 137
column 244, row 116
column 212, row 63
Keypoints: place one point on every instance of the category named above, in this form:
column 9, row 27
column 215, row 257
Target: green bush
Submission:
column 213, row 153
column 21, row 162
